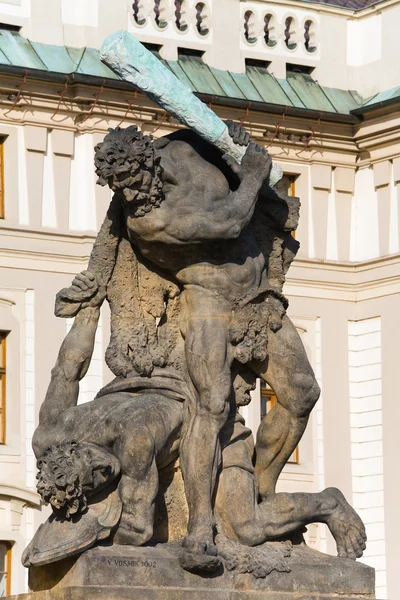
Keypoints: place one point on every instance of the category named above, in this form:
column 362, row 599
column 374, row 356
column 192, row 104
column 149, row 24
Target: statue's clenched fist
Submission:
column 238, row 133
column 255, row 163
column 84, row 291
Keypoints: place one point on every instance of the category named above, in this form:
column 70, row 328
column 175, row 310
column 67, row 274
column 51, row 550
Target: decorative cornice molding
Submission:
column 349, row 282
column 6, row 303
column 20, row 493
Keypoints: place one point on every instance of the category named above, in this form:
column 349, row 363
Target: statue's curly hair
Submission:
column 58, row 479
column 122, row 160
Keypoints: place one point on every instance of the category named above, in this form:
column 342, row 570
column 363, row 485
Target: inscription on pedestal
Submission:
column 131, row 562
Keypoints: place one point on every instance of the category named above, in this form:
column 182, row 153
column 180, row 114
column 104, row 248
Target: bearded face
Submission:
column 126, row 162
column 69, row 472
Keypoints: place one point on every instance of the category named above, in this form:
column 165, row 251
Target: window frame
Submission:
column 8, row 566
column 3, row 388
column 2, row 199
column 291, row 190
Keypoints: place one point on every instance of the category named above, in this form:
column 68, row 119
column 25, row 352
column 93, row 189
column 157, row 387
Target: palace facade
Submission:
column 318, row 84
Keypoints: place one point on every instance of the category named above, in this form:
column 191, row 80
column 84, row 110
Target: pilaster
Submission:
column 382, row 177
column 35, row 146
column 321, row 182
column 63, row 150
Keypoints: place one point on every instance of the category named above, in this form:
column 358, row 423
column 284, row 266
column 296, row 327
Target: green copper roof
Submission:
column 392, row 94
column 256, row 85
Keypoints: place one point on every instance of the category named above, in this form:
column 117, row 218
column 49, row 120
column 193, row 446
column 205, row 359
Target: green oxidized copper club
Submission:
column 132, row 62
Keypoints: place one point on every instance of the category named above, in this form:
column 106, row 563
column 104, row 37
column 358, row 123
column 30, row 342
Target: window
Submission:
column 180, row 15
column 309, row 36
column 305, row 69
column 201, row 19
column 160, row 11
column 138, row 13
column 3, row 358
column 269, row 30
column 250, row 27
column 190, row 52
column 268, row 401
column 287, row 184
column 154, row 48
column 255, row 62
column 290, row 33
column 5, row 569
column 2, row 211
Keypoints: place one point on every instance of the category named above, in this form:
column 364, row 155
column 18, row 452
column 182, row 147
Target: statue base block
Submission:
column 154, row 573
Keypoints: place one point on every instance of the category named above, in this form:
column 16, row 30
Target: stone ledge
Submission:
column 153, row 572
column 118, row 593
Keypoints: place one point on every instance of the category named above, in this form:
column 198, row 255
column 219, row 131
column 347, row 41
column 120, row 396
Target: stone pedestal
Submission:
column 153, row 573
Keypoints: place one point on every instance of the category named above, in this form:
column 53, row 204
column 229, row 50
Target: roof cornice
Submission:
column 325, row 8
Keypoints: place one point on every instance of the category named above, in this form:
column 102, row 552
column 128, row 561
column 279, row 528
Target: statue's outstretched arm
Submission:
column 75, row 352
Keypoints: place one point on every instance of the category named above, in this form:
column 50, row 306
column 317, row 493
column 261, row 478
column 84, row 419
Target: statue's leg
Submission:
column 288, row 371
column 205, row 330
column 138, row 486
column 281, row 514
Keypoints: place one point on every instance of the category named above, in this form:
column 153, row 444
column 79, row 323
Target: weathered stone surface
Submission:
column 154, row 572
column 192, row 258
column 120, row 593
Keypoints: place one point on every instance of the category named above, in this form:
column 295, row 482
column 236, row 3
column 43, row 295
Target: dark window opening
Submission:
column 305, row 69
column 248, row 16
column 190, row 52
column 154, row 48
column 267, row 31
column 308, row 41
column 12, row 28
column 157, row 11
column 136, row 13
column 289, row 25
column 254, row 62
column 179, row 22
column 201, row 19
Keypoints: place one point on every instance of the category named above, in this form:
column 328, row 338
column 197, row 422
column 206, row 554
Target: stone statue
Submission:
column 192, row 258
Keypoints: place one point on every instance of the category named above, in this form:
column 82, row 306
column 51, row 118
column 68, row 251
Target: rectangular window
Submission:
column 2, row 209
column 268, row 401
column 3, row 366
column 287, row 184
column 5, row 569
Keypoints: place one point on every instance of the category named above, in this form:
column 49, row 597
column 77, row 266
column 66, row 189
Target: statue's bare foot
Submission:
column 345, row 526
column 133, row 530
column 199, row 554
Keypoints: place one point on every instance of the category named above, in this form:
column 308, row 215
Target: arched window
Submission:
column 269, row 30
column 249, row 27
column 180, row 15
column 138, row 12
column 310, row 41
column 202, row 25
column 160, row 13
column 290, row 33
